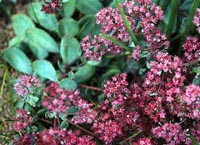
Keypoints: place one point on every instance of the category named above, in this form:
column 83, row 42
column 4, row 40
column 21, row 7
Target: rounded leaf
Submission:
column 68, row 84
column 84, row 73
column 70, row 49
column 67, row 26
column 21, row 23
column 88, row 6
column 68, row 7
column 18, row 60
column 47, row 21
column 40, row 43
column 45, row 69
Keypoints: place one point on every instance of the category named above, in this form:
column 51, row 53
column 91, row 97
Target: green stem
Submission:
column 114, row 40
column 170, row 25
column 188, row 26
column 132, row 136
column 165, row 5
column 194, row 6
column 4, row 78
column 126, row 22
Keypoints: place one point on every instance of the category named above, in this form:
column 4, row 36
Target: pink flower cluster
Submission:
column 143, row 141
column 191, row 49
column 51, row 7
column 196, row 19
column 26, row 85
column 142, row 17
column 55, row 136
column 59, row 101
column 172, row 134
column 116, row 89
column 192, row 99
column 23, row 120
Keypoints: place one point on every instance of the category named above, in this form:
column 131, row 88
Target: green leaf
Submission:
column 47, row 21
column 40, row 43
column 21, row 23
column 69, row 49
column 67, row 26
column 50, row 114
column 95, row 63
column 33, row 100
column 196, row 70
column 84, row 73
column 17, row 42
column 68, row 8
column 18, row 60
column 88, row 6
column 64, row 124
column 193, row 139
column 45, row 69
column 88, row 26
column 68, row 84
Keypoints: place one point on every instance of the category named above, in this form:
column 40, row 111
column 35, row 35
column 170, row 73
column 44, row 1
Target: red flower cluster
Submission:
column 191, row 49
column 26, row 85
column 23, row 120
column 55, row 136
column 142, row 17
column 51, row 7
column 172, row 133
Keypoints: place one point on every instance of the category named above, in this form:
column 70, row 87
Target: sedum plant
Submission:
column 132, row 79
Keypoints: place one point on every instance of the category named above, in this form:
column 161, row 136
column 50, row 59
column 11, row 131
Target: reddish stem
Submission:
column 47, row 121
column 90, row 87
column 81, row 128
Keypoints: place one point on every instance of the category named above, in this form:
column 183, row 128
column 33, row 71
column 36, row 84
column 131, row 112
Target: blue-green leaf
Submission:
column 84, row 73
column 21, row 23
column 88, row 6
column 67, row 26
column 68, row 84
column 45, row 69
column 70, row 49
column 18, row 60
column 68, row 7
column 45, row 20
column 40, row 43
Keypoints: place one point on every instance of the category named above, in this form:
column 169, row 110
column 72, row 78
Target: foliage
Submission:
column 123, row 74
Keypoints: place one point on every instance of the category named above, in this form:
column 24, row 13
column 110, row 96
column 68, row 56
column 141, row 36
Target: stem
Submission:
column 114, row 40
column 165, row 5
column 194, row 6
column 126, row 22
column 192, row 63
column 4, row 78
column 170, row 25
column 90, row 87
column 81, row 128
column 132, row 136
column 47, row 121
column 188, row 26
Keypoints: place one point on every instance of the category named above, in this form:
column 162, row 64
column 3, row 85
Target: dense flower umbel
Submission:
column 55, row 136
column 59, row 101
column 196, row 19
column 23, row 120
column 116, row 89
column 142, row 141
column 142, row 17
column 191, row 49
column 172, row 133
column 26, row 85
column 51, row 7
column 192, row 99
column 163, row 86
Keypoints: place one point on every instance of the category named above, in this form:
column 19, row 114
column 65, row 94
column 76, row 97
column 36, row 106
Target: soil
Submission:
column 7, row 109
